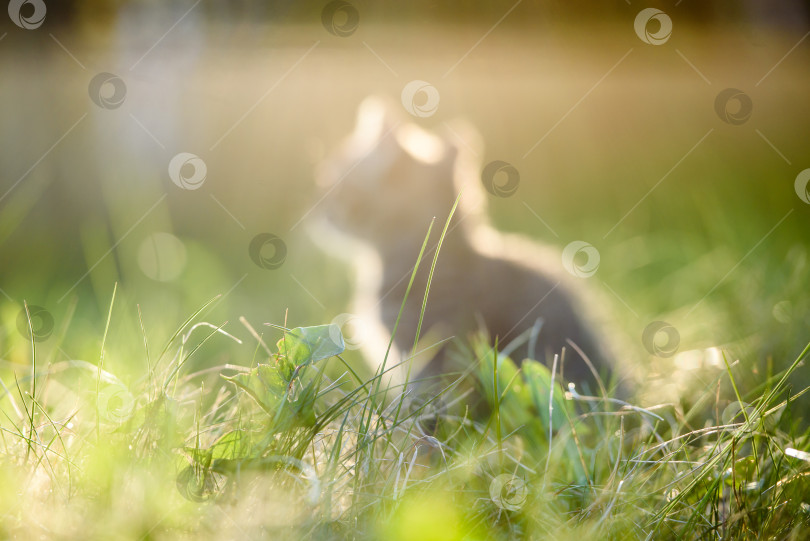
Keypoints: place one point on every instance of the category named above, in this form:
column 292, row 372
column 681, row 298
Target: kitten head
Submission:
column 391, row 177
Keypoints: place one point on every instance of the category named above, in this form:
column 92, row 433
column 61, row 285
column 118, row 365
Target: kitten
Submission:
column 384, row 185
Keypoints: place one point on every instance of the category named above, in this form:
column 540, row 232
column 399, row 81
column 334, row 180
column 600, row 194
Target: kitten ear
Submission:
column 370, row 149
column 377, row 117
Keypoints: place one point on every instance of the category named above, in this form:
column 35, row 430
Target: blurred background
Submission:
column 148, row 143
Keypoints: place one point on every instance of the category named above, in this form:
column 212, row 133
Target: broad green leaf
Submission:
column 266, row 384
column 311, row 344
column 286, row 389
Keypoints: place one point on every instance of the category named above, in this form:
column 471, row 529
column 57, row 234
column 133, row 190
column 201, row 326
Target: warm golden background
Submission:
column 262, row 92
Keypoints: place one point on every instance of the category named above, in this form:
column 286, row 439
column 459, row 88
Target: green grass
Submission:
column 275, row 448
column 288, row 441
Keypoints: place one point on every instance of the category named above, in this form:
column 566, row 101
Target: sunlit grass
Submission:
column 278, row 449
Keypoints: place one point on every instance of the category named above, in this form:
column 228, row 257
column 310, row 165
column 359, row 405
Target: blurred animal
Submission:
column 383, row 187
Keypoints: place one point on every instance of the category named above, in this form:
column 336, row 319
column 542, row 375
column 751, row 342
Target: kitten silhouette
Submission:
column 383, row 186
